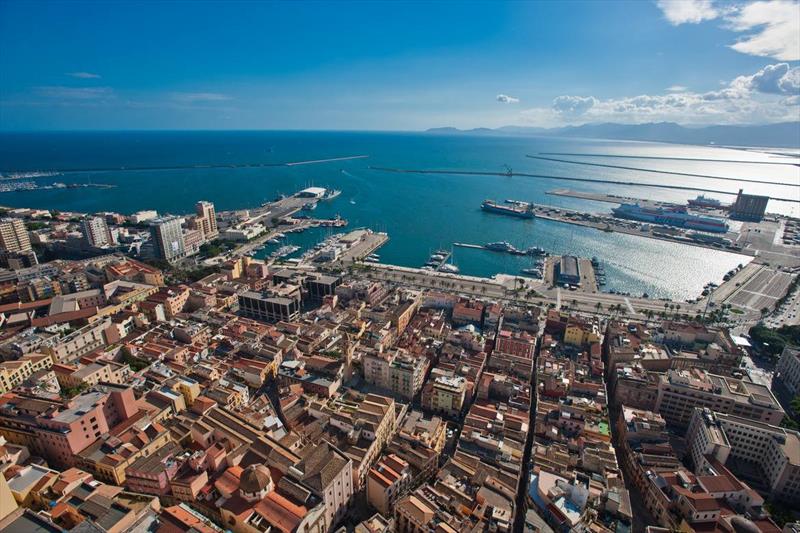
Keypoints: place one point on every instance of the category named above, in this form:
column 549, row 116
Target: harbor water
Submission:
column 170, row 171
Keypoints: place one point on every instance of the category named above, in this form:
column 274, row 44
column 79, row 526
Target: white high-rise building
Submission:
column 167, row 237
column 96, row 232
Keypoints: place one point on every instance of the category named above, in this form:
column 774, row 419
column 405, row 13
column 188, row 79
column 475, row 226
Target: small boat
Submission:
column 450, row 269
column 535, row 250
column 437, row 257
column 310, row 206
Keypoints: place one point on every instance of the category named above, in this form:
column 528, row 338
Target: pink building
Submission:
column 63, row 432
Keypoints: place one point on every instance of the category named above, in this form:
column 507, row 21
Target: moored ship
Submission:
column 520, row 212
column 670, row 216
column 704, row 201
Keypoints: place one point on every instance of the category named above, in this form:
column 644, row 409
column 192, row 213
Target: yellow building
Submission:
column 7, row 502
column 12, row 373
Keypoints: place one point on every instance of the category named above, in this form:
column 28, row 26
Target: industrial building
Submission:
column 749, row 207
column 569, row 271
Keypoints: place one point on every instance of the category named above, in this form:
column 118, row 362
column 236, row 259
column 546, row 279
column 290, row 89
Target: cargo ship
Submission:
column 704, row 201
column 670, row 216
column 500, row 209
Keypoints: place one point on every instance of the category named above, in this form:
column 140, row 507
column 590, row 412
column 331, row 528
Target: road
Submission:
column 502, row 288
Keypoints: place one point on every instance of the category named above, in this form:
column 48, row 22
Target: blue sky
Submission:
column 395, row 66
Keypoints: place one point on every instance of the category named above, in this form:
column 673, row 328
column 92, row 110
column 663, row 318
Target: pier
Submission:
column 20, row 174
column 608, row 198
column 655, row 171
column 16, row 186
column 566, row 178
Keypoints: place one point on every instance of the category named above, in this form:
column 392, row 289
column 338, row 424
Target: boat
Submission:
column 500, row 246
column 704, row 201
column 310, row 206
column 437, row 257
column 273, row 241
column 675, row 216
column 595, row 261
column 449, row 269
column 371, row 260
column 284, row 251
column 520, row 212
column 532, row 271
column 535, row 250
column 330, row 194
column 441, row 252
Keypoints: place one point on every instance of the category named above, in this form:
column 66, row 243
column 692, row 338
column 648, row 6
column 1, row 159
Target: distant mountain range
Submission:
column 783, row 134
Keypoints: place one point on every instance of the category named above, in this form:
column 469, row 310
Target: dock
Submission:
column 608, row 198
column 611, row 224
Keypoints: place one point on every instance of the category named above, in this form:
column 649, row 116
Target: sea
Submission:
column 171, row 170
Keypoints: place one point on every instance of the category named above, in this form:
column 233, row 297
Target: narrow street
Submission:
column 520, row 505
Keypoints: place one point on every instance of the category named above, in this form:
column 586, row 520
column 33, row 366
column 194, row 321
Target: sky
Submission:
column 395, row 65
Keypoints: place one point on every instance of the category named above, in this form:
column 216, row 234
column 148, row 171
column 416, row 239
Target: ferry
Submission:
column 520, row 212
column 670, row 216
column 704, row 201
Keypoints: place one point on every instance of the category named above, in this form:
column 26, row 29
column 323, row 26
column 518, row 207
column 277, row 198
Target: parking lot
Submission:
column 761, row 291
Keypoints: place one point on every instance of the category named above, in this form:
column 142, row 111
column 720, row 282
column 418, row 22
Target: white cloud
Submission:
column 769, row 95
column 677, row 89
column 84, row 75
column 506, row 99
column 775, row 27
column 58, row 92
column 687, row 11
column 772, row 26
column 573, row 105
column 200, row 97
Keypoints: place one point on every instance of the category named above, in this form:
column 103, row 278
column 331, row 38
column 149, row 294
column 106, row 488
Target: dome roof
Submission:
column 741, row 524
column 255, row 478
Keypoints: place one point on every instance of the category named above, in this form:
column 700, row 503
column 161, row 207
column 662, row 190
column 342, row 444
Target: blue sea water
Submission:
column 421, row 213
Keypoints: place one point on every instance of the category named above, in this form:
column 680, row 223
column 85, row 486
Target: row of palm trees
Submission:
column 671, row 310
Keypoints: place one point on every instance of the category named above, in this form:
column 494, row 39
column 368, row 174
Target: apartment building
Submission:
column 736, row 441
column 680, row 391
